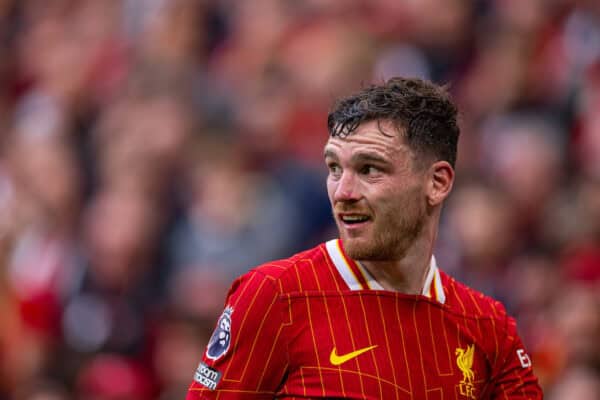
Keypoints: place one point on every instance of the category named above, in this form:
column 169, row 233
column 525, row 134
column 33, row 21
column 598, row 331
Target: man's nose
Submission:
column 347, row 188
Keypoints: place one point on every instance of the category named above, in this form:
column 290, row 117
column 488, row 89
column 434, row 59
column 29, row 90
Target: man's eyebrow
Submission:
column 328, row 153
column 359, row 157
column 369, row 157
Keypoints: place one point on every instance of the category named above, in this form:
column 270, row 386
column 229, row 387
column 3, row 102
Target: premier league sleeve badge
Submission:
column 221, row 338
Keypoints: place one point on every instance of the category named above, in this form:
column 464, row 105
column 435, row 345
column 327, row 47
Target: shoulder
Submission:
column 469, row 302
column 303, row 271
column 278, row 269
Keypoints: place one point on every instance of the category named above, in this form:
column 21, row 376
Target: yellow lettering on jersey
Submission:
column 464, row 360
column 336, row 359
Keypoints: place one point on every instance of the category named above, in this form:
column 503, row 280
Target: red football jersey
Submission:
column 318, row 325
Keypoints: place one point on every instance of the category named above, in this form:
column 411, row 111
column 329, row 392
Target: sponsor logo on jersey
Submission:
column 524, row 358
column 207, row 376
column 336, row 359
column 221, row 338
column 464, row 360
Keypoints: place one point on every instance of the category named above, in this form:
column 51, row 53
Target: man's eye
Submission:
column 369, row 170
column 334, row 168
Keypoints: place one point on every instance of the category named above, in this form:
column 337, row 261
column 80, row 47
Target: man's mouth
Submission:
column 353, row 219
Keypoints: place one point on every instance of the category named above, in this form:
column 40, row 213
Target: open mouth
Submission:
column 354, row 219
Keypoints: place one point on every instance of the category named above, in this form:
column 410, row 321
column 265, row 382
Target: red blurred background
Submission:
column 152, row 150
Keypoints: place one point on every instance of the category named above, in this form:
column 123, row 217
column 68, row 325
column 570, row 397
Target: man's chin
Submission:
column 358, row 248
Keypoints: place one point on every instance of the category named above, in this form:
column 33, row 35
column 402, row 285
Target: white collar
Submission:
column 357, row 277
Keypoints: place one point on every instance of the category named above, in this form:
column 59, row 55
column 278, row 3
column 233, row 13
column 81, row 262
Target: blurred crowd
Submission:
column 152, row 150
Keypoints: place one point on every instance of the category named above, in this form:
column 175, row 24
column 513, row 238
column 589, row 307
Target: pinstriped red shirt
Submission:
column 317, row 325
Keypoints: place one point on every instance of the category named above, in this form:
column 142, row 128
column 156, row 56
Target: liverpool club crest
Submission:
column 464, row 360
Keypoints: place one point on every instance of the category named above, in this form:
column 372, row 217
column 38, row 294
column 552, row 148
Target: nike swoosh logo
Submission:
column 338, row 360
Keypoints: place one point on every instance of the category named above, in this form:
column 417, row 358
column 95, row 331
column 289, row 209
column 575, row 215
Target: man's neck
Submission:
column 406, row 275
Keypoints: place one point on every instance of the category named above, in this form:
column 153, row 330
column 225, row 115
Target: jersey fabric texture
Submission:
column 317, row 325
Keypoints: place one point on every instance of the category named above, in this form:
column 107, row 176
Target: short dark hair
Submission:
column 422, row 110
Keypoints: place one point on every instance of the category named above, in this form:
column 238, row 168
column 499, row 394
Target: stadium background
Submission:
column 151, row 150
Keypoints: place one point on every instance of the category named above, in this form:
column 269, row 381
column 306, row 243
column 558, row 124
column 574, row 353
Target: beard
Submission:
column 391, row 234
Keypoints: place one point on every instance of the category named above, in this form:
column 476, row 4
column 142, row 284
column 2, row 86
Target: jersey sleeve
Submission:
column 246, row 357
column 513, row 375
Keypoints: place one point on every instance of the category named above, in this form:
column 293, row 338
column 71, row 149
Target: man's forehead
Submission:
column 384, row 127
column 383, row 137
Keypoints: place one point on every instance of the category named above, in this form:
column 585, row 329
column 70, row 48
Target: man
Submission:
column 370, row 315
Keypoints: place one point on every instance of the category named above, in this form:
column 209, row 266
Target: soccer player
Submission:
column 371, row 315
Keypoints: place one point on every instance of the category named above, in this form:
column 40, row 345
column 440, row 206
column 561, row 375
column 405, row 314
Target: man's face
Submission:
column 377, row 195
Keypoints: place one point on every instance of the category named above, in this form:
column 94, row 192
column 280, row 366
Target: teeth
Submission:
column 354, row 218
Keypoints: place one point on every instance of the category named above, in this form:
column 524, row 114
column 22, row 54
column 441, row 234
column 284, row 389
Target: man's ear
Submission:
column 441, row 180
